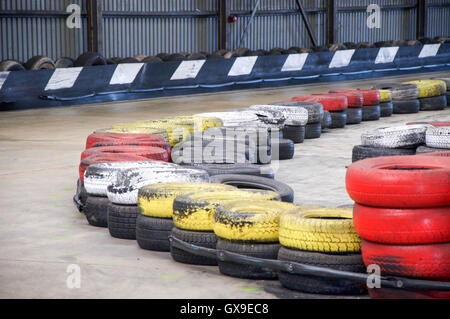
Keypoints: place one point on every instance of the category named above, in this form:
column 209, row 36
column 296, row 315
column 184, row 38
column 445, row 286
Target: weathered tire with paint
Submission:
column 294, row 133
column 153, row 233
column 392, row 293
column 400, row 181
column 402, row 226
column 402, row 136
column 315, row 110
column 122, row 220
column 438, row 137
column 295, row 116
column 152, row 153
column 354, row 115
column 11, row 66
column 425, row 261
column 319, row 229
column 326, row 121
column 39, row 62
column 242, row 169
column 263, row 251
column 406, row 107
column 64, row 62
column 435, row 103
column 89, row 59
column 322, row 285
column 429, row 88
column 313, row 130
column 198, row 238
column 122, row 139
column 400, row 92
column 330, row 102
column 361, row 152
column 152, row 59
column 96, row 210
column 338, row 119
column 426, row 149
column 371, row 113
column 244, row 181
column 386, row 109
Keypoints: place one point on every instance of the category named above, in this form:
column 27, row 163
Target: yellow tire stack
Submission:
column 432, row 94
column 386, row 106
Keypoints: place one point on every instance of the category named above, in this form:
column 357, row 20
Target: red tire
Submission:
column 330, row 102
column 371, row 97
column 163, row 145
column 391, row 293
column 435, row 124
column 442, row 154
column 108, row 158
column 121, row 138
column 418, row 261
column 153, row 153
column 400, row 181
column 402, row 226
column 355, row 98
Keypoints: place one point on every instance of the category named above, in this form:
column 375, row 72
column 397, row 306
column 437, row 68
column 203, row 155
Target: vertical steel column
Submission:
column 223, row 25
column 307, row 24
column 95, row 26
column 331, row 21
column 421, row 24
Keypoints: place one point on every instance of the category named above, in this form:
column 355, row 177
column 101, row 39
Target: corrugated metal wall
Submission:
column 125, row 35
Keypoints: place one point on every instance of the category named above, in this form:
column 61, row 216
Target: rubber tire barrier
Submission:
column 285, row 147
column 319, row 229
column 322, row 285
column 406, row 107
column 96, row 210
column 392, row 293
column 89, row 59
column 295, row 116
column 402, row 136
column 256, row 182
column 313, row 130
column 354, row 98
column 122, row 139
column 327, row 121
column 361, row 152
column 152, row 153
column 429, row 88
column 438, row 137
column 122, row 220
column 39, row 62
column 426, row 150
column 371, row 113
column 354, row 115
column 315, row 110
column 427, row 261
column 328, row 101
column 386, row 109
column 242, row 169
column 263, row 251
column 372, row 182
column 11, row 66
column 202, row 239
column 402, row 226
column 400, row 92
column 435, row 103
column 338, row 119
column 294, row 133
column 153, row 233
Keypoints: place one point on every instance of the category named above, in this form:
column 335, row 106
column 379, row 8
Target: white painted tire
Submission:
column 97, row 177
column 248, row 118
column 438, row 137
column 124, row 189
column 395, row 137
column 295, row 116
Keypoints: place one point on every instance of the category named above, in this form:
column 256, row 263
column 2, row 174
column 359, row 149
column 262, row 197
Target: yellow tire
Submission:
column 430, row 88
column 136, row 130
column 320, row 229
column 250, row 220
column 195, row 211
column 385, row 96
column 156, row 200
column 199, row 123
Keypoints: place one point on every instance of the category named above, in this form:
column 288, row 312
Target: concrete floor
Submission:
column 41, row 232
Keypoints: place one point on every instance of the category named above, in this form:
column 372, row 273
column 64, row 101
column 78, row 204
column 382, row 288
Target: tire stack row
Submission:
column 322, row 237
column 437, row 138
column 432, row 94
column 402, row 214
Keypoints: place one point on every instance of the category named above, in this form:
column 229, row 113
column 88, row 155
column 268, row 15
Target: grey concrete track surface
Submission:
column 41, row 233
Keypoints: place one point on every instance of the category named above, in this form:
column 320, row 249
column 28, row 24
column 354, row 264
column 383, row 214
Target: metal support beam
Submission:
column 223, row 25
column 307, row 24
column 244, row 34
column 95, row 26
column 331, row 16
column 421, row 24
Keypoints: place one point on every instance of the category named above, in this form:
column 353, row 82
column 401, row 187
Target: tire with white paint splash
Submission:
column 400, row 91
column 295, row 116
column 124, row 188
column 438, row 137
column 315, row 110
column 396, row 137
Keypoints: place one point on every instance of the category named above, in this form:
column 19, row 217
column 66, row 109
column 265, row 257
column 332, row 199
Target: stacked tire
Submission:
column 447, row 93
column 437, row 139
column 404, row 97
column 355, row 104
column 322, row 237
column 402, row 214
column 370, row 107
column 193, row 220
column 390, row 141
column 432, row 94
column 249, row 228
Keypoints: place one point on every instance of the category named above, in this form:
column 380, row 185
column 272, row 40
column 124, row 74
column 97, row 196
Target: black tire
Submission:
column 90, row 59
column 129, row 60
column 96, row 210
column 198, row 238
column 153, row 233
column 447, row 96
column 326, row 121
column 122, row 220
column 350, row 45
column 39, row 62
column 196, row 56
column 336, row 47
column 11, row 66
column 175, row 57
column 244, row 169
column 361, row 152
column 354, row 115
column 241, row 51
column 427, row 149
column 80, row 197
column 435, row 103
column 264, row 251
column 82, row 193
column 163, row 56
column 152, row 59
column 371, row 113
column 322, row 285
column 294, row 133
column 64, row 62
column 406, row 107
column 320, row 49
column 256, row 182
column 364, row 45
column 386, row 109
column 338, row 119
column 286, row 149
column 313, row 130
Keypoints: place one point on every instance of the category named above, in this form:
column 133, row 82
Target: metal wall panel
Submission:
column 438, row 23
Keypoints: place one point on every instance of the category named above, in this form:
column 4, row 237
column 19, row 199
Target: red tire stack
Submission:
column 402, row 214
column 371, row 103
column 336, row 104
column 355, row 104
